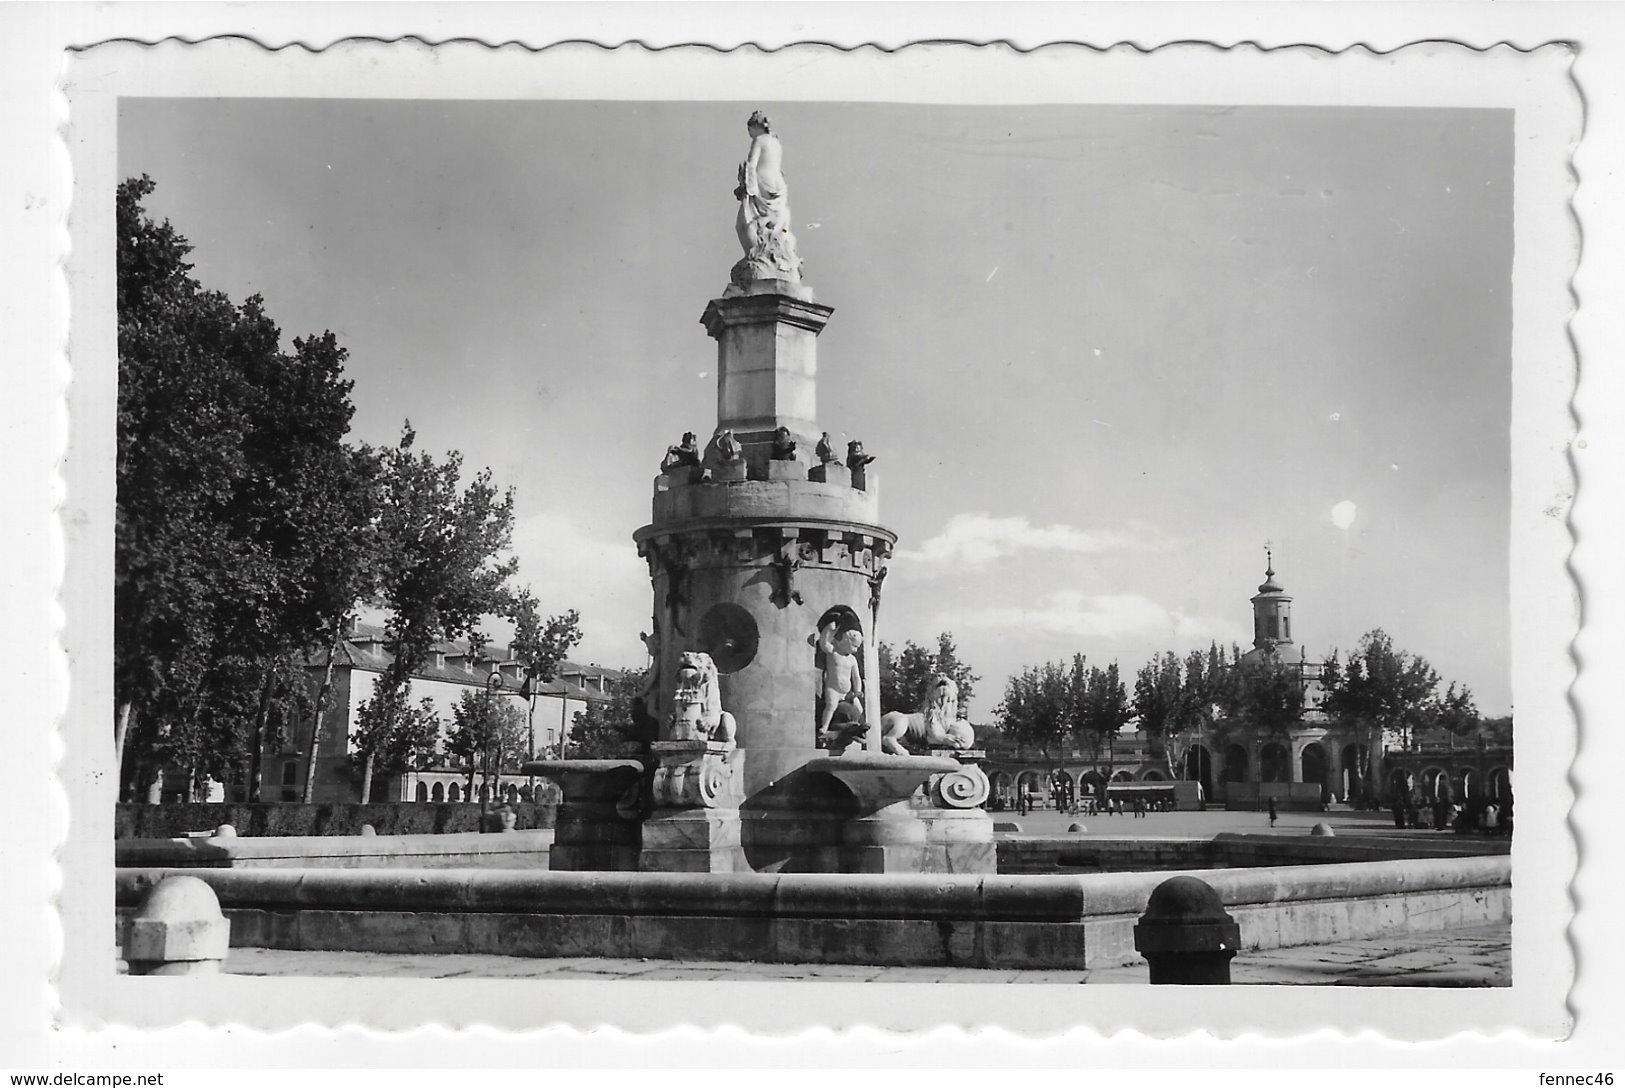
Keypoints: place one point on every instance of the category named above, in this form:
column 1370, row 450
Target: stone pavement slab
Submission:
column 1479, row 956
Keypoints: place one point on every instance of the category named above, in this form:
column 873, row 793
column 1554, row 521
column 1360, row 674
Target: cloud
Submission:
column 594, row 569
column 972, row 541
column 1074, row 615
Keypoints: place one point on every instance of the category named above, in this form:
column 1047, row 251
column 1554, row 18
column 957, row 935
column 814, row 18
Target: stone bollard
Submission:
column 225, row 831
column 1323, row 830
column 177, row 930
column 368, row 831
column 1186, row 935
column 1078, row 828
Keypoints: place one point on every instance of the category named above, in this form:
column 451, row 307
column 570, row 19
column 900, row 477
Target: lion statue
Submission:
column 696, row 710
column 933, row 725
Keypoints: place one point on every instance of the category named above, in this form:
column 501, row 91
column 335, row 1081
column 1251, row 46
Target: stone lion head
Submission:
column 940, row 703
column 697, row 682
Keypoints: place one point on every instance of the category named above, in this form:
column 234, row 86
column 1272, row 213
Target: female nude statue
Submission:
column 763, row 225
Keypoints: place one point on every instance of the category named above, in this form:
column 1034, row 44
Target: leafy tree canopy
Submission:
column 603, row 729
column 236, row 510
column 904, row 675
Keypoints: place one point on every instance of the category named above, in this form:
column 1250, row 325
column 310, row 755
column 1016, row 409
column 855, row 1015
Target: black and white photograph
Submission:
column 549, row 532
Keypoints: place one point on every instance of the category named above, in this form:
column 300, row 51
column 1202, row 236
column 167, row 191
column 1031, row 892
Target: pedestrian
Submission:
column 1273, row 813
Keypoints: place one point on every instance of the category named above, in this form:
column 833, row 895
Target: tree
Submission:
column 904, row 676
column 1036, row 711
column 487, row 735
column 603, row 729
column 1384, row 691
column 227, row 548
column 1102, row 706
column 407, row 739
column 440, row 548
column 1170, row 700
column 541, row 646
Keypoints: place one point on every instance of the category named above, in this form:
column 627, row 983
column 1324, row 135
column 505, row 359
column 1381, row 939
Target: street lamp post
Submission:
column 496, row 685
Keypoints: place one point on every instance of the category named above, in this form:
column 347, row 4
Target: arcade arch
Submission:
column 1313, row 764
column 1235, row 763
column 1274, row 765
column 1199, row 767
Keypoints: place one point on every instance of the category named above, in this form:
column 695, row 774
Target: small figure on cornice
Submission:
column 855, row 457
column 763, row 224
column 787, row 566
column 826, row 450
column 875, row 581
column 685, row 453
column 784, row 445
column 726, row 447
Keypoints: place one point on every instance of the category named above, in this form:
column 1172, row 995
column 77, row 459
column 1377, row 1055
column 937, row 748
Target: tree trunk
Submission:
column 366, row 779
column 120, row 732
column 321, row 705
column 256, row 752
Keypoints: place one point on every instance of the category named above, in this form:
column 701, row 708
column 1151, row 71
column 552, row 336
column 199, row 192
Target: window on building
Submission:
column 290, row 772
column 1286, row 626
column 1275, row 626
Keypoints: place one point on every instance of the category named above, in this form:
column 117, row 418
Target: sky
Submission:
column 1103, row 354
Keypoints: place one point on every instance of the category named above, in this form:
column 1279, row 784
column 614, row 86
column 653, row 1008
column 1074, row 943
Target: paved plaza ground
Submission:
column 1213, row 822
column 1480, row 956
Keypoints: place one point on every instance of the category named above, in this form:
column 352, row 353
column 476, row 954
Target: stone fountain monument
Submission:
column 763, row 747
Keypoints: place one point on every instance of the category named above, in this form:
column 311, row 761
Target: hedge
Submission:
column 141, row 821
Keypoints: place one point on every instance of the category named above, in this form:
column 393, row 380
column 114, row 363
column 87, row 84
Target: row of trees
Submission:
column 248, row 529
column 1378, row 690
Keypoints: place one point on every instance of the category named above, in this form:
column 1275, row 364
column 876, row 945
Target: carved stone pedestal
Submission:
column 597, row 827
column 694, row 827
column 959, row 832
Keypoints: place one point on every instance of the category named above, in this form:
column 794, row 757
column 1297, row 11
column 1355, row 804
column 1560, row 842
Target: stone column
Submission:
column 767, row 363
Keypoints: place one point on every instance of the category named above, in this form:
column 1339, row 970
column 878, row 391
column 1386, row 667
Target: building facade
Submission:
column 452, row 671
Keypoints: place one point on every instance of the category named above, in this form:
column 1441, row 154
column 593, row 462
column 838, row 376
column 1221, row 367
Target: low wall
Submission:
column 467, row 850
column 140, row 821
column 1030, row 854
column 1031, row 922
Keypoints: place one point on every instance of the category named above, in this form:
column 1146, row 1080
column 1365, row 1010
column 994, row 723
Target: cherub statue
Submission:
column 843, row 679
column 855, row 457
column 784, row 445
column 686, row 452
column 826, row 450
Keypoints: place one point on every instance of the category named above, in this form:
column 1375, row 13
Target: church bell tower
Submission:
column 1272, row 613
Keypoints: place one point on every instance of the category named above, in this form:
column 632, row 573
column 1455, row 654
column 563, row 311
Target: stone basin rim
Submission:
column 881, row 762
column 544, row 767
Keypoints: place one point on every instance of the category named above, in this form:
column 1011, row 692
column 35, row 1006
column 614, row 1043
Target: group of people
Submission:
column 1065, row 798
column 1478, row 816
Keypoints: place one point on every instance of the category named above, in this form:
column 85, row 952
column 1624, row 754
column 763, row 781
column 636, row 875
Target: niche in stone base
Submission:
column 838, row 657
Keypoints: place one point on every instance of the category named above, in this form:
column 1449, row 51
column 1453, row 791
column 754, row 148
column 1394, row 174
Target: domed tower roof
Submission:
column 1272, row 612
column 1270, row 587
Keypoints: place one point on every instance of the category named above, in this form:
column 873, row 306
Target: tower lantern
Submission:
column 1272, row 612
